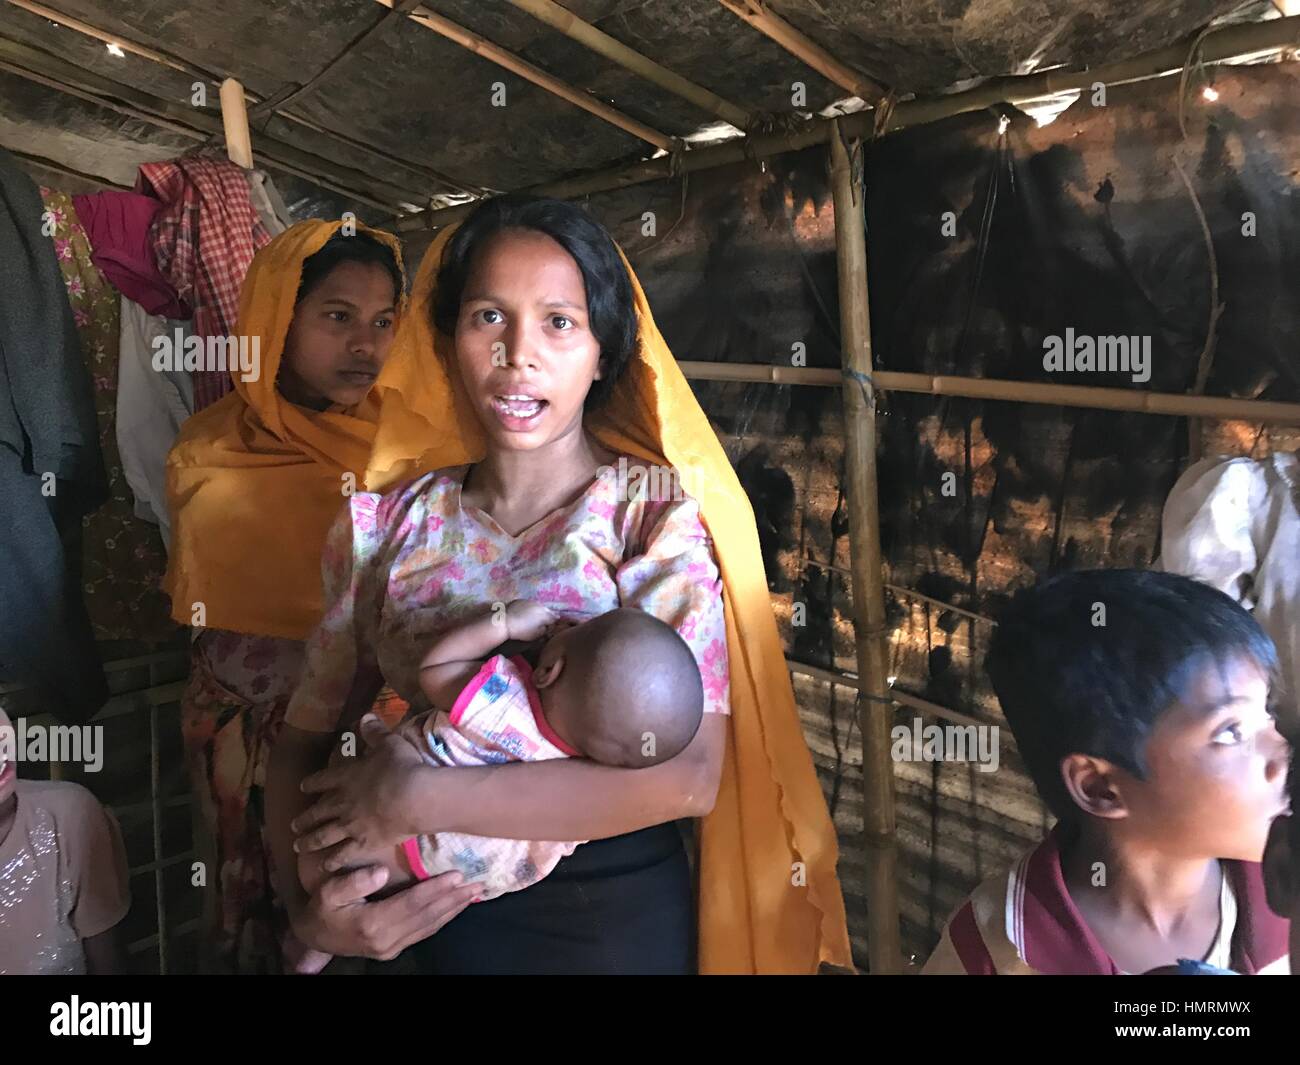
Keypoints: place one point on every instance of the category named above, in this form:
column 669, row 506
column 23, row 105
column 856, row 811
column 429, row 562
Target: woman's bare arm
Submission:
column 294, row 756
column 569, row 798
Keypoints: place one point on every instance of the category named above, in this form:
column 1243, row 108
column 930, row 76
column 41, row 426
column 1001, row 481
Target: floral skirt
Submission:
column 227, row 744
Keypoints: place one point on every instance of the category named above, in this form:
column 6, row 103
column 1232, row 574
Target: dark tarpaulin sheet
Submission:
column 1081, row 224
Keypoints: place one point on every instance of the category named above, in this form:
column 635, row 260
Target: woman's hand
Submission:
column 528, row 620
column 365, row 802
column 337, row 919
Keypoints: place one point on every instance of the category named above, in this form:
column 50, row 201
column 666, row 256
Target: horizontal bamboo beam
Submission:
column 139, row 946
column 1237, row 41
column 908, row 593
column 494, row 53
column 616, row 51
column 66, row 171
column 424, row 173
column 805, row 49
column 45, row 69
column 1232, row 42
column 899, row 590
column 755, row 146
column 851, row 680
column 1177, row 404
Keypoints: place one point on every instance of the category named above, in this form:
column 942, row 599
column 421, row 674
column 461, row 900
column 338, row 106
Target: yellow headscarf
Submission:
column 254, row 481
column 770, row 899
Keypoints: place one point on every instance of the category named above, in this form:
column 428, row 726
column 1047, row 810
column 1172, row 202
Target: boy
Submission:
column 1139, row 703
column 63, row 875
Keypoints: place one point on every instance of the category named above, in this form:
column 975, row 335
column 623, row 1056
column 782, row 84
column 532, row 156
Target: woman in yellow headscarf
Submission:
column 253, row 484
column 533, row 384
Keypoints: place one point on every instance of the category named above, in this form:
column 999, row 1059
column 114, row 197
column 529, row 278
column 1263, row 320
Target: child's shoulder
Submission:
column 73, row 807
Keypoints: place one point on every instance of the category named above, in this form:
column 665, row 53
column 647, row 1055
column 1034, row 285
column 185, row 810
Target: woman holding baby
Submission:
column 528, row 366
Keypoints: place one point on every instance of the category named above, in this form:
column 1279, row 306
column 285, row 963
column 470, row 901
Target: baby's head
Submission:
column 1139, row 702
column 623, row 688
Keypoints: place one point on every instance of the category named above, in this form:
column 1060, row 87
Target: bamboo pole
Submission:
column 1233, row 42
column 884, row 946
column 165, row 59
column 616, row 51
column 234, row 117
column 494, row 53
column 1176, row 404
column 155, row 786
column 804, row 48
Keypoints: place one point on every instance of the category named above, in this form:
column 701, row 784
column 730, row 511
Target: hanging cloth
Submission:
column 122, row 556
column 51, row 473
column 117, row 224
column 204, row 239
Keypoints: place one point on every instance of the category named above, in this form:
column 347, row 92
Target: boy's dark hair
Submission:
column 1088, row 662
column 359, row 248
column 611, row 307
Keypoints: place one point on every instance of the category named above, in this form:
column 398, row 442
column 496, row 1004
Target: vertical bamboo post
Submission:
column 156, row 807
column 234, row 116
column 884, row 947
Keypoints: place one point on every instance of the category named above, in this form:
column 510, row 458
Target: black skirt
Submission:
column 615, row 906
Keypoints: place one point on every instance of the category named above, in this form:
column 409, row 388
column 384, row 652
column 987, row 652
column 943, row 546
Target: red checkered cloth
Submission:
column 204, row 239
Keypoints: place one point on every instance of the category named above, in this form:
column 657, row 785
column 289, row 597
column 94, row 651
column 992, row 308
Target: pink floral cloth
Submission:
column 498, row 718
column 401, row 568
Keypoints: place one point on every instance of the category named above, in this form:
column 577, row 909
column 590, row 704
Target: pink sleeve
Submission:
column 340, row 655
column 675, row 577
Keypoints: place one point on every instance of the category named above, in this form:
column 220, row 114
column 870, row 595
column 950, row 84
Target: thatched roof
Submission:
column 418, row 97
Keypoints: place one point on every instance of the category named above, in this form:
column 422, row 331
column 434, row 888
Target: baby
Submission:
column 622, row 689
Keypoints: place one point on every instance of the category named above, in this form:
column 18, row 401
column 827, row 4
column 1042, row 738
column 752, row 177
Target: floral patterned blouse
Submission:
column 401, row 568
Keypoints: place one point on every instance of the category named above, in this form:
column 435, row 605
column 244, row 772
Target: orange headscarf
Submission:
column 254, row 481
column 770, row 899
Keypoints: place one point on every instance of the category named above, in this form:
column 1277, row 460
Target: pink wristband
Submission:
column 411, row 848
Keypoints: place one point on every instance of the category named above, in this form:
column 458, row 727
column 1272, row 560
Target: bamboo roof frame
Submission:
column 35, row 65
column 507, row 60
column 602, row 43
column 804, row 48
column 154, row 55
column 1226, row 43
